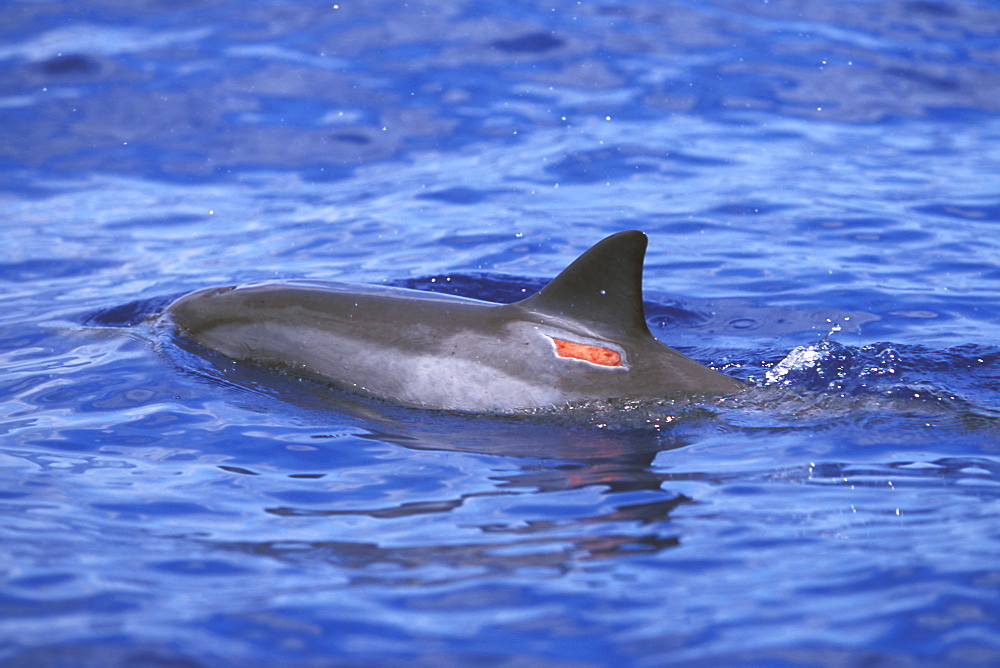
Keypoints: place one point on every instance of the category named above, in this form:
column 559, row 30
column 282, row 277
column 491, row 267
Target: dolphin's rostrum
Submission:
column 582, row 338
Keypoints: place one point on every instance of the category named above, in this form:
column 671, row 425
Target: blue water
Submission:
column 820, row 186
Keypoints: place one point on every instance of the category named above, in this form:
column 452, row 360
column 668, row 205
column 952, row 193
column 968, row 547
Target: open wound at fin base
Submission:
column 587, row 352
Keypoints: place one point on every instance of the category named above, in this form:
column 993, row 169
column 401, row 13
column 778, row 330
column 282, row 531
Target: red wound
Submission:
column 587, row 353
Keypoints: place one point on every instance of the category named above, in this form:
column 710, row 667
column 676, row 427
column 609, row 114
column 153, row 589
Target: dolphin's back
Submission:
column 581, row 338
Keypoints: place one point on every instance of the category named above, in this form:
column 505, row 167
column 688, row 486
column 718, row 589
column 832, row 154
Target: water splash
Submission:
column 800, row 359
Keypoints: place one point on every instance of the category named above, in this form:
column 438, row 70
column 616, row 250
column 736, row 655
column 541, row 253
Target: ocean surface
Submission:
column 820, row 183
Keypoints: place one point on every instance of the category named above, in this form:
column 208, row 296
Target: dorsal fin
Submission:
column 602, row 288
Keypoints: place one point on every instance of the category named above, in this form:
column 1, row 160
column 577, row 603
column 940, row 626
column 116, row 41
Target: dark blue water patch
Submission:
column 748, row 208
column 41, row 581
column 296, row 635
column 768, row 286
column 52, row 268
column 862, row 231
column 118, row 651
column 671, row 226
column 121, row 387
column 954, row 268
column 958, row 373
column 28, row 185
column 198, row 567
column 70, row 65
column 153, row 221
column 612, row 164
column 352, row 138
column 53, row 461
column 104, row 603
column 923, row 78
column 323, row 173
column 962, row 211
column 462, row 195
column 287, row 110
column 894, row 580
column 690, row 267
column 875, row 314
column 153, row 509
column 238, row 469
column 742, row 273
column 535, row 42
column 661, row 314
column 847, row 224
column 402, row 510
column 302, row 497
column 460, row 241
column 937, row 9
column 475, row 640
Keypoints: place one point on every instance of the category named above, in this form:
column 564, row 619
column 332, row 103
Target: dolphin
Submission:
column 581, row 339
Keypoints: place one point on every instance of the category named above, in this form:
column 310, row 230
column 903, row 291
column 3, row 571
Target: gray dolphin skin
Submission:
column 582, row 338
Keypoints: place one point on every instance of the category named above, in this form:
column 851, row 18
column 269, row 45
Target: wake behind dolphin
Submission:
column 582, row 338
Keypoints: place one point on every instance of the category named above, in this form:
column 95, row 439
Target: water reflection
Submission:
column 528, row 515
column 536, row 492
